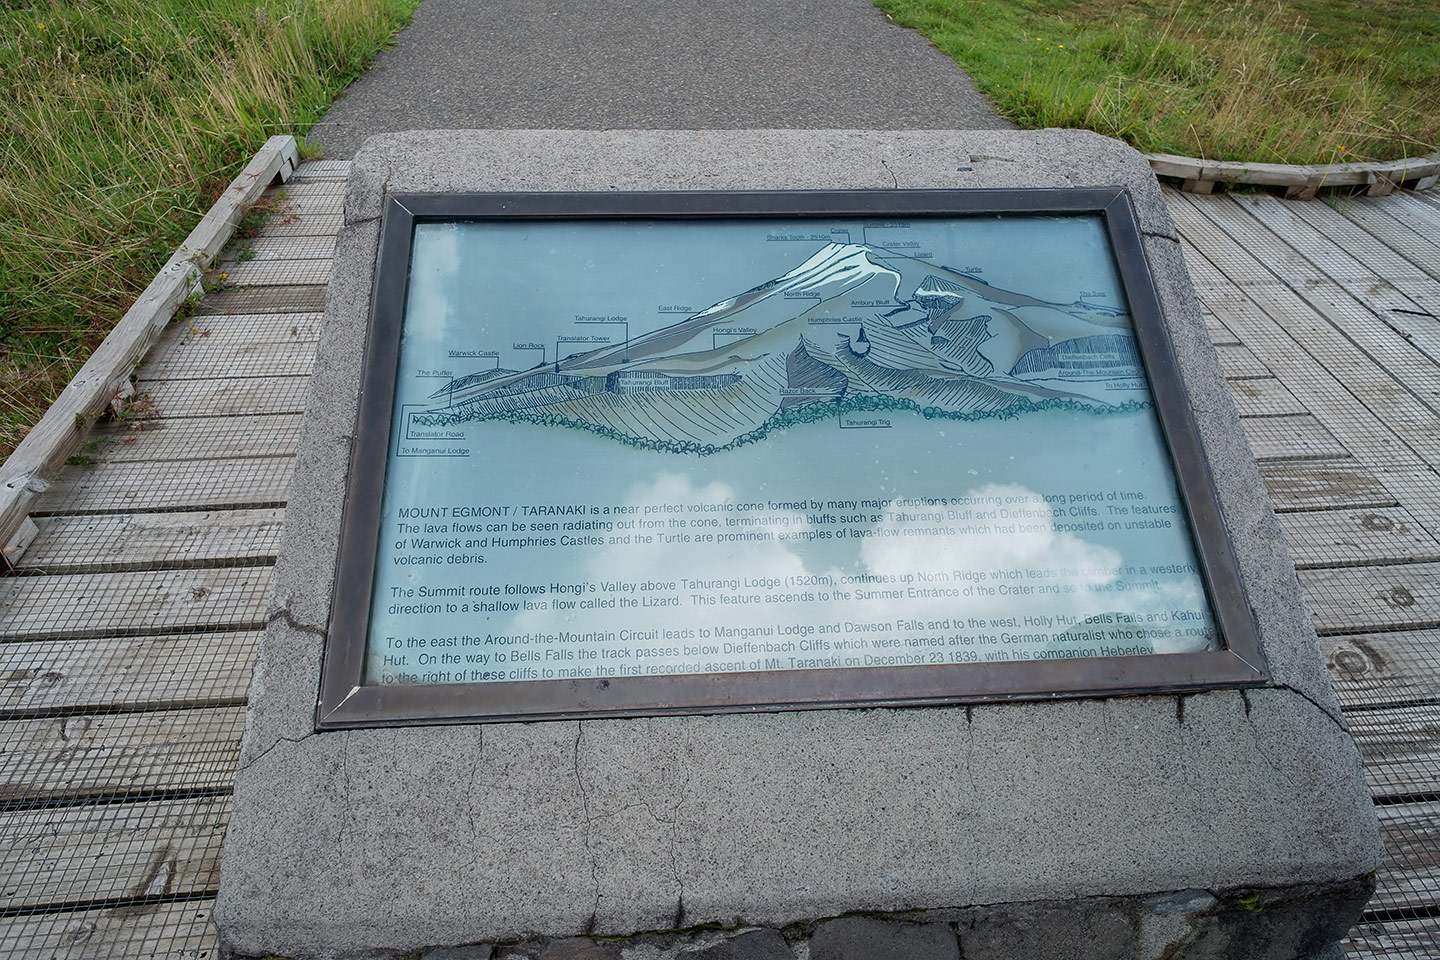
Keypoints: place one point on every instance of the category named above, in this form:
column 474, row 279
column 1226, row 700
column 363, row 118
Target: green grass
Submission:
column 123, row 121
column 1285, row 81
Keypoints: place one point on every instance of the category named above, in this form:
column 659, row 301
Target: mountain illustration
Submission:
column 855, row 326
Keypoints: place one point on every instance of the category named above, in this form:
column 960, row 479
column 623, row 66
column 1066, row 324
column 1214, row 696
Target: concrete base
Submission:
column 1077, row 821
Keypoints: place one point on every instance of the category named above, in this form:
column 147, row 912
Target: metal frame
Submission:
column 345, row 703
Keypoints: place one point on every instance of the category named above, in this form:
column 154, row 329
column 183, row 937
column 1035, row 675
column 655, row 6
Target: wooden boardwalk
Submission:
column 127, row 633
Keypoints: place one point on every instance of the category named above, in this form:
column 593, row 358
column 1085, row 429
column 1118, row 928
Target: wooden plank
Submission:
column 85, row 543
column 1323, row 484
column 168, row 930
column 1263, row 396
column 1354, row 537
column 1294, row 437
column 312, row 170
column 106, row 673
column 273, row 273
column 290, row 248
column 119, row 754
column 144, row 601
column 327, row 226
column 1363, row 599
column 1376, row 669
column 201, row 360
column 106, row 374
column 251, row 396
column 1218, row 333
column 1400, row 747
column 1345, row 253
column 1236, row 360
column 311, row 190
column 1420, row 209
column 193, row 485
column 1277, row 261
column 113, row 851
column 195, row 438
column 294, row 299
column 1411, row 875
column 1287, row 174
column 303, row 202
column 1326, row 372
column 1414, row 247
column 1393, row 940
column 241, row 328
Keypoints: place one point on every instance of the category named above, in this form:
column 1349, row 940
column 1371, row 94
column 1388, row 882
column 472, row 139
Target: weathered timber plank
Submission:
column 1420, row 209
column 1323, row 484
column 144, row 601
column 1278, row 264
column 1393, row 940
column 1411, row 875
column 1294, row 175
column 1293, row 437
column 193, row 485
column 1360, row 599
column 273, row 273
column 111, row 851
column 1237, row 360
column 250, row 396
column 1345, row 253
column 196, row 438
column 106, row 375
column 1351, row 537
column 294, row 299
column 308, row 190
column 1375, row 669
column 1263, row 396
column 164, row 930
column 306, row 202
column 200, row 361
column 103, row 673
column 292, row 248
column 311, row 170
column 1400, row 747
column 1217, row 331
column 1414, row 247
column 1326, row 372
column 213, row 328
column 119, row 754
column 1378, row 258
column 327, row 226
column 84, row 543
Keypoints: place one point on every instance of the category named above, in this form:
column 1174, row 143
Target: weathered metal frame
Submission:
column 345, row 702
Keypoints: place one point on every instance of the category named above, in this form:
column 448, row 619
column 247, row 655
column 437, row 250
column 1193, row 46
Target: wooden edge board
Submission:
column 1294, row 175
column 106, row 375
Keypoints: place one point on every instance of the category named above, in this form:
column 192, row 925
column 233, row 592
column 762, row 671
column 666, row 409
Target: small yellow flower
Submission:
column 1062, row 46
column 224, row 276
column 40, row 26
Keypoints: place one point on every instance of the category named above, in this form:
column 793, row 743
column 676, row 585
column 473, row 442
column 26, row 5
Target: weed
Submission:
column 123, row 121
column 1285, row 81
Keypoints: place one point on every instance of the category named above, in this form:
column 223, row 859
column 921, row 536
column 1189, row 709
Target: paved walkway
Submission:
column 654, row 64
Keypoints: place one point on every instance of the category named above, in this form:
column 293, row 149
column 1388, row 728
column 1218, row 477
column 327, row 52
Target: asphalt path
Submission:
column 654, row 64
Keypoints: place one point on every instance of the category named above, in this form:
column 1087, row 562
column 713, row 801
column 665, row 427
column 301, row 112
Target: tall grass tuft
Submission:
column 1280, row 81
column 123, row 120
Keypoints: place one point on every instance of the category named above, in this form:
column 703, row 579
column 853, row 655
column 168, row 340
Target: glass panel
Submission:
column 639, row 448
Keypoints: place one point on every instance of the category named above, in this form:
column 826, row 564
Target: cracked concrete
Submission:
column 352, row 842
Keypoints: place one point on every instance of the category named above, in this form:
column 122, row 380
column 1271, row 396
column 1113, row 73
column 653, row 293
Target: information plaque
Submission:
column 649, row 453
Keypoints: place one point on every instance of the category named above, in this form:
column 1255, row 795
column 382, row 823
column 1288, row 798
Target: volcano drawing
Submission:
column 853, row 327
